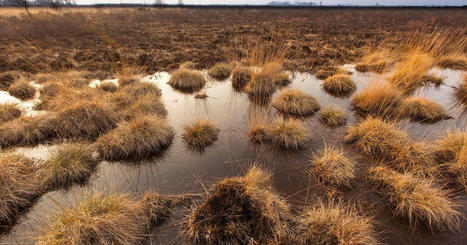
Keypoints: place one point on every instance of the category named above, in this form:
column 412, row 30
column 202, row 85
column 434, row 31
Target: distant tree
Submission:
column 158, row 2
column 25, row 4
column 180, row 2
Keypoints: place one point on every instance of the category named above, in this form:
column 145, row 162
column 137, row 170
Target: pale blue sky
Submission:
column 326, row 2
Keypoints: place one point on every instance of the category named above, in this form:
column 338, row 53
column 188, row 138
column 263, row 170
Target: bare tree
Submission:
column 25, row 4
column 158, row 2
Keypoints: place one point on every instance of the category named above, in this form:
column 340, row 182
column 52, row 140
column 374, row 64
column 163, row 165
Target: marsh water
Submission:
column 181, row 170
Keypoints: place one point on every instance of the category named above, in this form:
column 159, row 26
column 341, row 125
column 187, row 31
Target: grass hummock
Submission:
column 296, row 102
column 19, row 188
column 424, row 110
column 22, row 90
column 142, row 137
column 9, row 112
column 69, row 164
column 416, row 199
column 108, row 87
column 8, row 78
column 379, row 99
column 187, row 81
column 140, row 89
column 409, row 74
column 331, row 166
column 456, row 62
column 27, row 131
column 283, row 79
column 334, row 223
column 332, row 116
column 239, row 209
column 329, row 71
column 241, row 76
column 200, row 134
column 220, row 71
column 339, row 85
column 289, row 134
column 146, row 105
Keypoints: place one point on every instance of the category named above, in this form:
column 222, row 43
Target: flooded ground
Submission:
column 180, row 170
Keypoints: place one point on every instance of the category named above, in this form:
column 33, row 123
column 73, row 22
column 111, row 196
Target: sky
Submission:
column 325, row 2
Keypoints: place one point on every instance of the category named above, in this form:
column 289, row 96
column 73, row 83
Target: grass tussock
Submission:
column 332, row 116
column 146, row 105
column 339, row 85
column 331, row 166
column 7, row 79
column 220, row 71
column 448, row 148
column 329, row 71
column 142, row 137
column 457, row 62
column 283, row 79
column 127, row 79
column 416, row 199
column 378, row 62
column 424, row 110
column 458, row 168
column 379, row 99
column 263, row 82
column 85, row 120
column 9, row 112
column 296, row 102
column 187, row 80
column 108, row 87
column 99, row 219
column 19, row 187
column 27, row 131
column 22, row 90
column 241, row 76
column 140, row 89
column 69, row 164
column 200, row 134
column 334, row 223
column 461, row 94
column 410, row 73
column 428, row 79
column 157, row 209
column 239, row 210
column 188, row 65
column 289, row 134
column 384, row 141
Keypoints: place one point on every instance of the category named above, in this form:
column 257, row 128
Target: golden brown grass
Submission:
column 188, row 65
column 329, row 71
column 142, row 137
column 187, row 80
column 200, row 134
column 263, row 82
column 238, row 210
column 69, row 164
column 416, row 199
column 448, row 148
column 220, row 71
column 98, row 219
column 335, row 223
column 332, row 116
column 461, row 94
column 27, row 131
column 22, row 90
column 9, row 112
column 410, row 72
column 140, row 89
column 149, row 104
column 428, row 79
column 424, row 110
column 296, row 102
column 379, row 99
column 8, row 78
column 378, row 62
column 108, row 87
column 283, row 79
column 289, row 134
column 456, row 61
column 339, row 85
column 331, row 166
column 19, row 187
column 383, row 140
column 241, row 76
column 458, row 168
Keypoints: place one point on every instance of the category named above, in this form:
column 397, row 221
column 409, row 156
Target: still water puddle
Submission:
column 180, row 170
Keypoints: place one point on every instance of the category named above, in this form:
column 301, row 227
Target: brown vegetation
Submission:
column 379, row 99
column 424, row 110
column 339, row 85
column 220, row 71
column 332, row 116
column 200, row 134
column 296, row 102
column 188, row 81
column 9, row 112
column 289, row 134
column 241, row 76
column 22, row 90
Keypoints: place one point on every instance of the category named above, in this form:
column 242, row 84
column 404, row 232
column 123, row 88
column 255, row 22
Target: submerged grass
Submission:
column 296, row 102
column 142, row 137
column 416, row 199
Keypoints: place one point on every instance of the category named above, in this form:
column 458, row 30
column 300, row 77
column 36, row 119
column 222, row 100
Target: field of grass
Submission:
column 233, row 126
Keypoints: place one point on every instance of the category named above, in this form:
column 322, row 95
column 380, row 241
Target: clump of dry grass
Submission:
column 22, row 90
column 335, row 223
column 239, row 210
column 417, row 199
column 187, row 80
column 99, row 219
column 27, row 131
column 241, row 76
column 157, row 208
column 329, row 71
column 461, row 93
column 410, row 72
column 142, row 137
column 69, row 164
column 288, row 134
column 188, row 65
column 147, row 105
column 85, row 120
column 8, row 78
column 431, row 79
column 458, row 168
column 9, row 112
column 200, row 134
column 379, row 99
column 378, row 62
column 448, row 148
column 19, row 187
column 220, row 71
column 339, row 85
column 383, row 140
column 125, row 80
column 140, row 89
column 332, row 116
column 457, row 62
column 283, row 79
column 296, row 102
column 424, row 110
column 108, row 87
column 331, row 166
column 263, row 83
